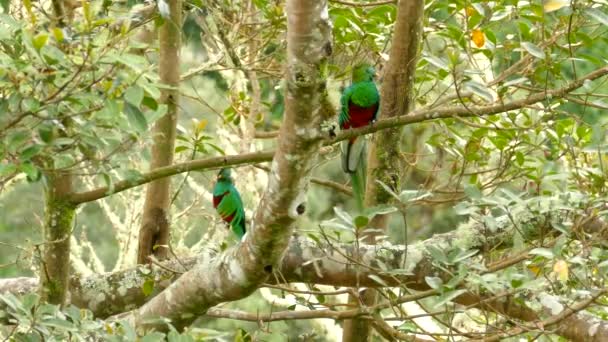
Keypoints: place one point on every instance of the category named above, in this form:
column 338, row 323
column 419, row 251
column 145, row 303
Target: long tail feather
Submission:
column 358, row 184
column 352, row 152
column 354, row 162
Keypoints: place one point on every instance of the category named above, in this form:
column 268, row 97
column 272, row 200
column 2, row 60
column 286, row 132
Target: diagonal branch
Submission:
column 416, row 116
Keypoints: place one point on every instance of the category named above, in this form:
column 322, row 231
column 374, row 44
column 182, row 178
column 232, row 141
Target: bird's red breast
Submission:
column 360, row 116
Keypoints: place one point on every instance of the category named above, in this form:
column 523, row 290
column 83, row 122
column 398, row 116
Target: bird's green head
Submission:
column 363, row 73
column 225, row 175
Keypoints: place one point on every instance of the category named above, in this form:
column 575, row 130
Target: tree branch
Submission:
column 416, row 116
column 167, row 171
column 306, row 261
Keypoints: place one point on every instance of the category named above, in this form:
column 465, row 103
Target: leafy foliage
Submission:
column 83, row 99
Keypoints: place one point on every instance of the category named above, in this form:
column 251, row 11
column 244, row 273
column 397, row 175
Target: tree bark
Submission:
column 306, row 261
column 309, row 262
column 155, row 229
column 384, row 158
column 58, row 221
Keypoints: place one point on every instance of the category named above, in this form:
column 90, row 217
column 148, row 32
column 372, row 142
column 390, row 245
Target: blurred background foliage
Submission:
column 99, row 128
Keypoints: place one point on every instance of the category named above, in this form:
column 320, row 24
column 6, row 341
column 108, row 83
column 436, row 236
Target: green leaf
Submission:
column 437, row 253
column 434, row 282
column 446, row 298
column 343, row 215
column 29, row 152
column 148, row 287
column 132, row 175
column 377, row 280
column 63, row 141
column 533, row 49
column 40, row 40
column 58, row 34
column 136, row 118
column 438, row 62
column 388, row 189
column 179, row 149
column 472, row 191
column 462, row 255
column 63, row 160
column 413, row 195
column 5, row 5
column 519, row 157
column 109, row 183
column 217, row 148
column 17, row 139
column 544, row 252
column 7, row 169
column 32, row 172
column 134, row 95
column 479, row 90
column 598, row 15
column 60, row 324
column 379, row 210
column 361, row 221
column 160, row 111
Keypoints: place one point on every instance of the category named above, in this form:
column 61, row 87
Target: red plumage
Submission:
column 359, row 116
column 216, row 202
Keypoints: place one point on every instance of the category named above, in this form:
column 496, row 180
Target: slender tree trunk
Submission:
column 154, row 232
column 384, row 158
column 59, row 216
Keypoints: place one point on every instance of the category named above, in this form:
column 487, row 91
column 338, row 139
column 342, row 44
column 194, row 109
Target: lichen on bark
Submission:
column 58, row 223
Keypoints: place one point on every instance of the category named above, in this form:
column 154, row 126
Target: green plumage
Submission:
column 360, row 103
column 228, row 204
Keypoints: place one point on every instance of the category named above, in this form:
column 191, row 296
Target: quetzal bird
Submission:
column 359, row 107
column 227, row 201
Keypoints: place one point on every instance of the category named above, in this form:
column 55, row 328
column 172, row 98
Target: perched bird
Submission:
column 227, row 201
column 359, row 107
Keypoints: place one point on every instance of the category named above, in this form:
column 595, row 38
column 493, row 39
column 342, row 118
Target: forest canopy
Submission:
column 303, row 170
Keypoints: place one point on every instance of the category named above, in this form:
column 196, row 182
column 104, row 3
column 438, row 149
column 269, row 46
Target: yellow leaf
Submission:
column 554, row 5
column 58, row 33
column 478, row 38
column 201, row 125
column 470, row 11
column 40, row 40
column 534, row 269
column 560, row 268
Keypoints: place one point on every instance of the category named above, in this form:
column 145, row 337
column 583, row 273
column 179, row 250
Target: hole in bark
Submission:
column 300, row 209
column 328, row 49
column 300, row 78
column 332, row 132
column 268, row 268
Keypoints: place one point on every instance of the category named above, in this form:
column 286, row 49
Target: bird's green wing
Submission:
column 344, row 100
column 229, row 203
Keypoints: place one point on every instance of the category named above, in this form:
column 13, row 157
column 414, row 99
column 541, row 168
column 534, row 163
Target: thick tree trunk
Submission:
column 155, row 229
column 384, row 158
column 55, row 261
column 238, row 271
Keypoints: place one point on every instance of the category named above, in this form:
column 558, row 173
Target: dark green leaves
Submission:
column 136, row 118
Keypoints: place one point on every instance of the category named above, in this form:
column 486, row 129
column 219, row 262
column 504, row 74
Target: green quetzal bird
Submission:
column 227, row 201
column 359, row 107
